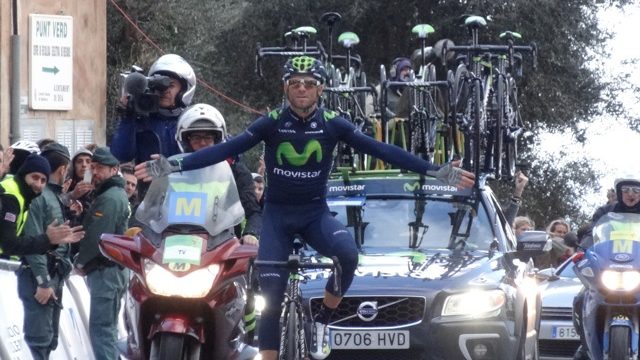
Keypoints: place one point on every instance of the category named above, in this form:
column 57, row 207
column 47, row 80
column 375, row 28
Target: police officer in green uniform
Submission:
column 108, row 213
column 41, row 277
column 16, row 194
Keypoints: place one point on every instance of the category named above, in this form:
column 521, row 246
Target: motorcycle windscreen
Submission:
column 206, row 197
column 617, row 227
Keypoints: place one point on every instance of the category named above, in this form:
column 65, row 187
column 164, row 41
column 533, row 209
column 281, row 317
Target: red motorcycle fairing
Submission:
column 219, row 312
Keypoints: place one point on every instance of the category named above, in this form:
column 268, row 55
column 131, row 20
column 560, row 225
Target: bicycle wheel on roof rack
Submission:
column 514, row 127
column 499, row 129
column 473, row 139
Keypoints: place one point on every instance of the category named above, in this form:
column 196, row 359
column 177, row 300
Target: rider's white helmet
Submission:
column 200, row 117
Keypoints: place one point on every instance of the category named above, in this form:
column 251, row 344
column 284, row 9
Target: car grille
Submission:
column 556, row 313
column 376, row 355
column 404, row 311
column 558, row 348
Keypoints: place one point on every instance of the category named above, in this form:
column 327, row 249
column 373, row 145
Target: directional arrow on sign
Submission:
column 53, row 70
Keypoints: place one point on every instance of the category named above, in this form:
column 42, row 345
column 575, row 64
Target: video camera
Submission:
column 141, row 90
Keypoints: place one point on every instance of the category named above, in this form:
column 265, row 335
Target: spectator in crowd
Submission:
column 522, row 224
column 511, row 210
column 42, row 143
column 258, row 181
column 131, row 188
column 559, row 252
column 78, row 185
column 21, row 149
column 6, row 156
column 16, row 194
column 41, row 277
column 109, row 213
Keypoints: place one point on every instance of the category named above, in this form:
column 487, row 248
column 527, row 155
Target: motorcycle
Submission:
column 610, row 273
column 187, row 292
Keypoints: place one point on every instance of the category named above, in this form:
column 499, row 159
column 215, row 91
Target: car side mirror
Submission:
column 547, row 274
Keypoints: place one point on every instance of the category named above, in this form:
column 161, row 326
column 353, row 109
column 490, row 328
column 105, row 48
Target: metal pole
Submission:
column 14, row 129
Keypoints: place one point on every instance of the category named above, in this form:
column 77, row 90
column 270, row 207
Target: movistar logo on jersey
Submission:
column 294, row 158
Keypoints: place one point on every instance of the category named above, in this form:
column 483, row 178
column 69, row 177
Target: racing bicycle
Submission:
column 293, row 320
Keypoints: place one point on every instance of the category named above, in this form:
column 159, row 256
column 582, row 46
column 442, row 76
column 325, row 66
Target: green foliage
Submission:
column 219, row 37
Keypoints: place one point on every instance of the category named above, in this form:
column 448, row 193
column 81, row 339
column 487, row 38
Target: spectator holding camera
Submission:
column 151, row 110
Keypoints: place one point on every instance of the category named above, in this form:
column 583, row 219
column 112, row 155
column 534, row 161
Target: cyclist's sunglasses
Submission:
column 307, row 83
column 629, row 188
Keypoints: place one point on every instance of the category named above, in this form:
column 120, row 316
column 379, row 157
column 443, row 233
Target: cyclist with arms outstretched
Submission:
column 299, row 142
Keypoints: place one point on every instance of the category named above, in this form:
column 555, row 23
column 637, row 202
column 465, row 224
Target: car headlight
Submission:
column 194, row 285
column 474, row 303
column 620, row 280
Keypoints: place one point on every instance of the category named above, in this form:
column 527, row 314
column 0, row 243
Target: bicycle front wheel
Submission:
column 290, row 348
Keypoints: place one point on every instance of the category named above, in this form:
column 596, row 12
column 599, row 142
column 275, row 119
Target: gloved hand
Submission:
column 452, row 174
column 158, row 167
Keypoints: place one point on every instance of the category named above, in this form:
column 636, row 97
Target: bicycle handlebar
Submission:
column 293, row 264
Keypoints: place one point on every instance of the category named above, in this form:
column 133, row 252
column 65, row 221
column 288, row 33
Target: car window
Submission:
column 389, row 223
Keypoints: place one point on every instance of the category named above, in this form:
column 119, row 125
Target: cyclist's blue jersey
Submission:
column 299, row 153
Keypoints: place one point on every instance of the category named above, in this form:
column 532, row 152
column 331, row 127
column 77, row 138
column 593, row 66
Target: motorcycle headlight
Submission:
column 194, row 285
column 620, row 280
column 474, row 303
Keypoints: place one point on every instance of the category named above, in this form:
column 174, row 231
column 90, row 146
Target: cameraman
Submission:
column 141, row 134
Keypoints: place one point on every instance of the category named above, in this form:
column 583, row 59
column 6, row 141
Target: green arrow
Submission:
column 53, row 69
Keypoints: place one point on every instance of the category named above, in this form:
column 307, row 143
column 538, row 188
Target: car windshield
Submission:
column 430, row 223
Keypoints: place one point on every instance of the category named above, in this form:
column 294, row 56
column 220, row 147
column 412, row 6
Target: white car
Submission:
column 557, row 338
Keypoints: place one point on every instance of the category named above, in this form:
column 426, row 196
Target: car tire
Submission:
column 522, row 347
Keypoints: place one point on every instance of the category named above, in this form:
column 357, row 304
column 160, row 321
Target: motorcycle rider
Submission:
column 202, row 126
column 299, row 142
column 628, row 194
column 137, row 137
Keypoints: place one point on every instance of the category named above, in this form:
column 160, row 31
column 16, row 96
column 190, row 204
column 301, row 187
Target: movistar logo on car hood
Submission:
column 294, row 158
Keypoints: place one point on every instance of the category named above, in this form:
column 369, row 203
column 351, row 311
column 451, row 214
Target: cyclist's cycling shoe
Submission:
column 320, row 346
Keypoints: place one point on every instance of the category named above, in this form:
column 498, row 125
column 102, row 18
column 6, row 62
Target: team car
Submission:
column 440, row 274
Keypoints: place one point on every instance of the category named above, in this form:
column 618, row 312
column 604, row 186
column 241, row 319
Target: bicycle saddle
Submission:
column 475, row 21
column 423, row 30
column 348, row 39
column 510, row 35
column 302, row 31
column 330, row 18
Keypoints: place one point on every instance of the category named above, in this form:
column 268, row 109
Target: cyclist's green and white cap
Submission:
column 304, row 65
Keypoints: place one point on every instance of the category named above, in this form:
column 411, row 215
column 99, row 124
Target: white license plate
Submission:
column 564, row 332
column 388, row 339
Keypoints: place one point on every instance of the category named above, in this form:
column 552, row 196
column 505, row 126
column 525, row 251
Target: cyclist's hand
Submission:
column 249, row 239
column 157, row 167
column 452, row 174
